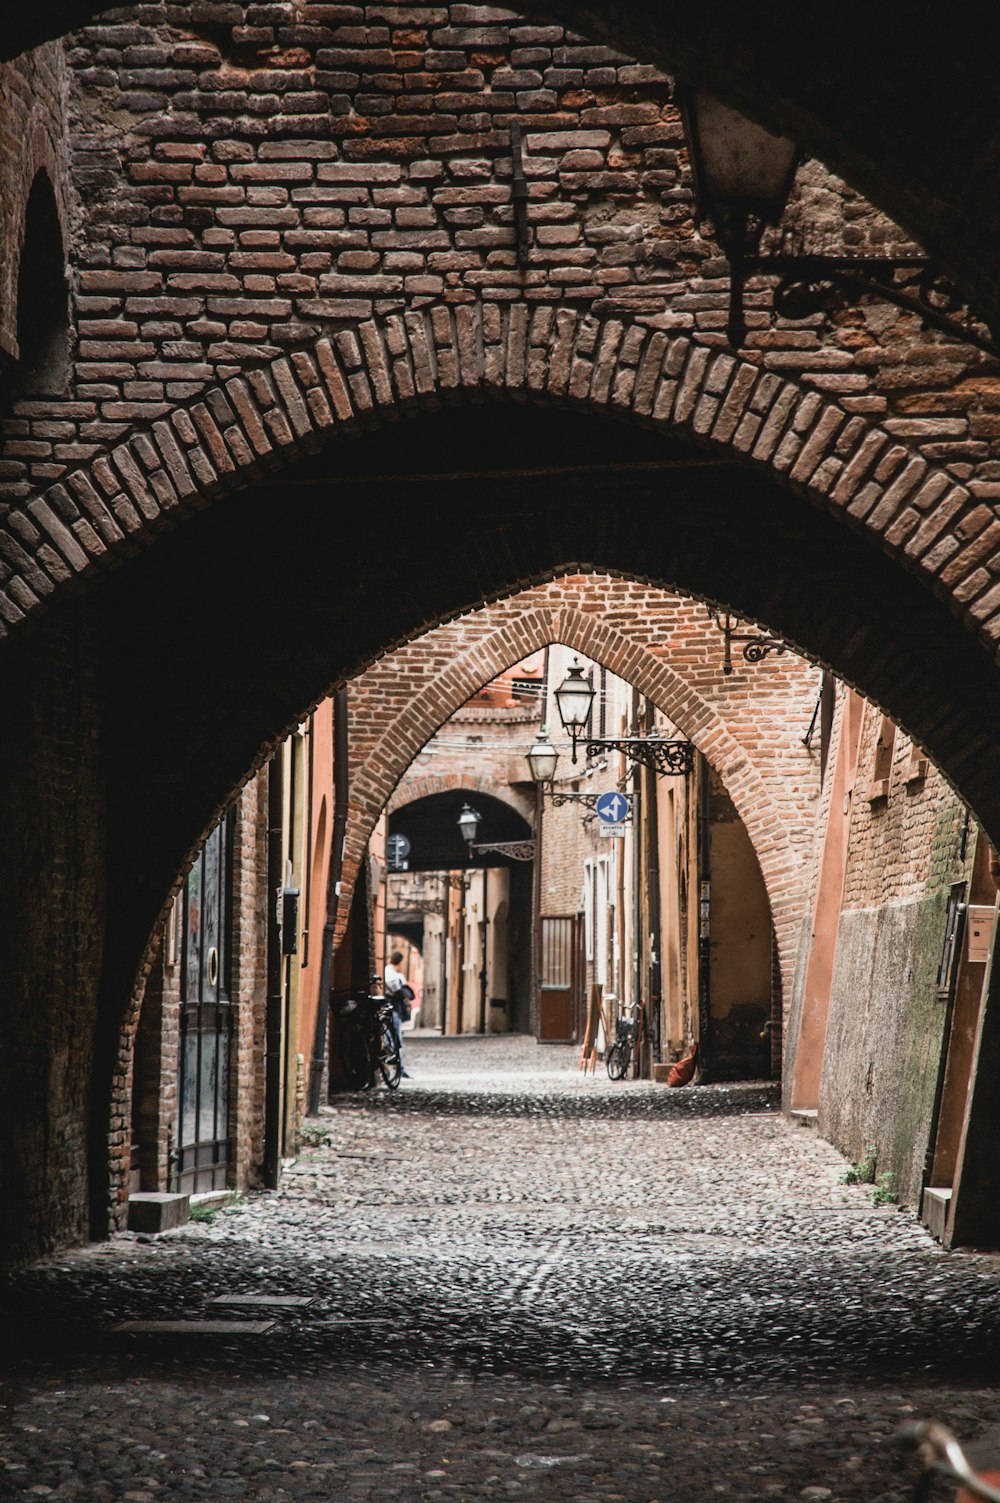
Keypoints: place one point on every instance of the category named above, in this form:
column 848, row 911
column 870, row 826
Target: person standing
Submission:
column 400, row 993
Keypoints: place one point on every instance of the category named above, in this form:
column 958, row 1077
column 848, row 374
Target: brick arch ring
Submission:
column 426, row 787
column 753, row 795
column 244, row 428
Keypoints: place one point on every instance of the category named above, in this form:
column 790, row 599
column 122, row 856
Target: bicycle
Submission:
column 370, row 1046
column 619, row 1056
column 942, row 1456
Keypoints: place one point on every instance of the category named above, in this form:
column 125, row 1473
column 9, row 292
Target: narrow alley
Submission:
column 509, row 1278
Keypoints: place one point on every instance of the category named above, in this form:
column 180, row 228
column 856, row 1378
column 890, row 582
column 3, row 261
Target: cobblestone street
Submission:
column 513, row 1280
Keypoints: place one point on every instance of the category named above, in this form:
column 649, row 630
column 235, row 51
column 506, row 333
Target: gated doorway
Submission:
column 202, row 1144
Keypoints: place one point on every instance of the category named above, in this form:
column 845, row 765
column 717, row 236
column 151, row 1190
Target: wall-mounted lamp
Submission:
column 742, row 178
column 543, row 758
column 468, row 824
column 574, row 699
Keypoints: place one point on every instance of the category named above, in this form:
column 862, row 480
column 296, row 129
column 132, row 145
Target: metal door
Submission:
column 203, row 1139
column 558, row 981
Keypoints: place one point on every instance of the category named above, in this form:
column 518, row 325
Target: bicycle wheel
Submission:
column 355, row 1059
column 389, row 1063
column 617, row 1061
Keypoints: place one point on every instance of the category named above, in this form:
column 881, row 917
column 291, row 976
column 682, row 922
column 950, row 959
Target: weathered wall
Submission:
column 886, row 1022
column 885, row 1036
column 51, row 950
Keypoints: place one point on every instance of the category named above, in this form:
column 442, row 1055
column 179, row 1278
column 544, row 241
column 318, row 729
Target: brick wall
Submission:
column 255, row 184
column 906, row 841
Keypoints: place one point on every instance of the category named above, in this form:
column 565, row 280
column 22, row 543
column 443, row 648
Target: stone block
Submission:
column 156, row 1211
column 934, row 1211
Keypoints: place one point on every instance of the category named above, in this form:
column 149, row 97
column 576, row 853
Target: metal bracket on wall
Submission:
column 517, row 850
column 559, row 799
column 519, row 194
column 756, row 646
column 814, row 284
column 658, row 754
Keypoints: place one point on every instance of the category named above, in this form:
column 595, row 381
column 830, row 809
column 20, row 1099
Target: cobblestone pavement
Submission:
column 522, row 1282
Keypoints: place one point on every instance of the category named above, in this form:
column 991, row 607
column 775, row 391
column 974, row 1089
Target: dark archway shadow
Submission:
column 219, row 638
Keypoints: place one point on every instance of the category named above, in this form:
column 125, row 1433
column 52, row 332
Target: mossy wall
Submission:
column 885, row 1036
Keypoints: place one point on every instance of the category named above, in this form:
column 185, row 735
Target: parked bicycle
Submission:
column 619, row 1056
column 369, row 1046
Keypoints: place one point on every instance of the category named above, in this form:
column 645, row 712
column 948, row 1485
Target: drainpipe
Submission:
column 273, row 1042
column 704, row 916
column 340, row 775
column 636, row 866
column 484, row 973
column 651, row 820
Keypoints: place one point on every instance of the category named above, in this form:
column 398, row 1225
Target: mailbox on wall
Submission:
column 979, row 932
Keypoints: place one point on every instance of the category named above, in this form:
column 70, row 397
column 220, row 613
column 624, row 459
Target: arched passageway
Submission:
column 482, row 937
column 161, row 685
column 752, row 739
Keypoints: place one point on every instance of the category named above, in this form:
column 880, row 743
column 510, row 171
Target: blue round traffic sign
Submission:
column 613, row 808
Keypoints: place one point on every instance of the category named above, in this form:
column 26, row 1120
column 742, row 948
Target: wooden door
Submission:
column 558, row 982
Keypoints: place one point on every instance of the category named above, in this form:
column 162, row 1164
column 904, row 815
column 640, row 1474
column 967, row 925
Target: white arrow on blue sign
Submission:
column 612, row 808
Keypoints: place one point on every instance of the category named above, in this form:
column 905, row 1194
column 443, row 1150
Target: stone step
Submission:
column 934, row 1210
column 157, row 1211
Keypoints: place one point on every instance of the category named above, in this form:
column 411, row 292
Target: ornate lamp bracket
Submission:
column 668, row 758
column 756, row 645
column 558, row 799
column 517, row 850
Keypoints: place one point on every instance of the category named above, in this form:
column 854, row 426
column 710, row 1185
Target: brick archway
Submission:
column 236, row 433
column 760, row 800
column 280, row 580
column 431, row 783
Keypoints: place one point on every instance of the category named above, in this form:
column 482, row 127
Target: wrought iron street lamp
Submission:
column 742, row 178
column 574, row 699
column 543, row 759
column 468, row 824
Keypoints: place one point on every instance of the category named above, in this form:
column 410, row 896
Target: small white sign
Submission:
column 617, row 831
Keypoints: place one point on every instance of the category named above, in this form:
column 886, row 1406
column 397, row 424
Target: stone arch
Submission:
column 428, row 784
column 174, row 748
column 239, row 431
column 756, row 799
